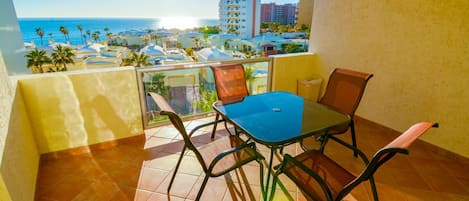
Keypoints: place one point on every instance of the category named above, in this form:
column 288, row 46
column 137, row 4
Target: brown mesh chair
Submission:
column 230, row 83
column 344, row 91
column 321, row 178
column 216, row 158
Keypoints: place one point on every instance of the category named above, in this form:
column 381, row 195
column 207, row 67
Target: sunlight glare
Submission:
column 178, row 22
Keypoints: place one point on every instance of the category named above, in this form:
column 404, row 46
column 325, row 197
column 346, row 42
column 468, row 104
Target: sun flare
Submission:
column 178, row 22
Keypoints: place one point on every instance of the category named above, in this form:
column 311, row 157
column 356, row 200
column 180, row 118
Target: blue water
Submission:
column 51, row 25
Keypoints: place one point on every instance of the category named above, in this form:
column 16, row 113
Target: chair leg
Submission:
column 354, row 141
column 217, row 116
column 201, row 190
column 176, row 169
column 324, row 140
column 373, row 189
column 274, row 186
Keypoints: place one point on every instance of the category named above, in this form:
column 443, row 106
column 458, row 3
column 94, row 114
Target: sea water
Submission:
column 51, row 26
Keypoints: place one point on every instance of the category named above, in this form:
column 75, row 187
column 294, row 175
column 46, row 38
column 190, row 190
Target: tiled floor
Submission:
column 140, row 168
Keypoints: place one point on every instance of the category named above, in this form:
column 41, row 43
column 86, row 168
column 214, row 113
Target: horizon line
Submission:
column 117, row 17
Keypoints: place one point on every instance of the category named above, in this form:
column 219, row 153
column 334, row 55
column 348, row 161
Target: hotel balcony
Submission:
column 91, row 134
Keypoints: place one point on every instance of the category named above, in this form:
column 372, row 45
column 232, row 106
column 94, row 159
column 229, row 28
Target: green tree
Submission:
column 64, row 31
column 207, row 98
column 156, row 38
column 80, row 28
column 36, row 59
column 249, row 76
column 292, row 48
column 136, row 60
column 95, row 35
column 88, row 32
column 40, row 33
column 62, row 56
column 190, row 51
column 157, row 84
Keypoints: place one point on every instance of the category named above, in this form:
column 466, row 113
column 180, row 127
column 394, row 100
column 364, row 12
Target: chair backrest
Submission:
column 166, row 109
column 344, row 90
column 398, row 145
column 230, row 81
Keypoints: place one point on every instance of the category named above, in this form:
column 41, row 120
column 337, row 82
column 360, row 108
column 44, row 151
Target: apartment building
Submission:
column 240, row 17
column 283, row 14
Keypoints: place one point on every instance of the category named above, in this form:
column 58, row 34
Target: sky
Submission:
column 122, row 8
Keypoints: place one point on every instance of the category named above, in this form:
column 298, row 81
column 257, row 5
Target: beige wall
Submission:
column 305, row 12
column 20, row 162
column 419, row 53
column 19, row 158
column 76, row 109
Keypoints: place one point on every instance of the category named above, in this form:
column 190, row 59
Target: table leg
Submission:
column 269, row 172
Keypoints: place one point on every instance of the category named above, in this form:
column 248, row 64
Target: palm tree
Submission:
column 64, row 31
column 96, row 36
column 136, row 60
column 88, row 32
column 108, row 37
column 80, row 28
column 141, row 59
column 62, row 56
column 40, row 33
column 36, row 58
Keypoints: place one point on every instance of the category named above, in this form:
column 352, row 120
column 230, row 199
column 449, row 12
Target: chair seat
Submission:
column 211, row 150
column 334, row 176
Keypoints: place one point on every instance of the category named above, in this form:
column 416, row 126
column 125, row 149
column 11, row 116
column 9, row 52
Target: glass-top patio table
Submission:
column 277, row 119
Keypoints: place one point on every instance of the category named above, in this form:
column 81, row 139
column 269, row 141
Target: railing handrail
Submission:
column 195, row 65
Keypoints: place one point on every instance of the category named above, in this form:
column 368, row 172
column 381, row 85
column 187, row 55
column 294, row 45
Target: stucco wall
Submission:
column 76, row 109
column 20, row 162
column 288, row 69
column 419, row 53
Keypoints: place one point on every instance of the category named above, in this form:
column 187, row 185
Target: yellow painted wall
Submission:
column 419, row 53
column 19, row 158
column 287, row 69
column 20, row 162
column 75, row 109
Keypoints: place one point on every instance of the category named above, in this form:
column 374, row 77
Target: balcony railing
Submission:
column 190, row 88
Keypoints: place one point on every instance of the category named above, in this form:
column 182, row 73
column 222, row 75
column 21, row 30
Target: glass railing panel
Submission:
column 190, row 88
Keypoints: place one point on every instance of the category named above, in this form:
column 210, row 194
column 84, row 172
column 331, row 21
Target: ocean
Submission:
column 51, row 26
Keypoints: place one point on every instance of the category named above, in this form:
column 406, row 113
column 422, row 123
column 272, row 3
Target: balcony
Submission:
column 101, row 137
column 82, row 135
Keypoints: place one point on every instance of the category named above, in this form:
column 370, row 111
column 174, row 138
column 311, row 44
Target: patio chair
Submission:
column 217, row 157
column 320, row 178
column 230, row 83
column 344, row 91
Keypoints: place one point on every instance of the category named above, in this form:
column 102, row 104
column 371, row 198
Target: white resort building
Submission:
column 240, row 17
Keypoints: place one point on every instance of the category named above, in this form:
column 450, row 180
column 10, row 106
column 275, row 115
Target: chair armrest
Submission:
column 360, row 153
column 289, row 159
column 203, row 125
column 221, row 155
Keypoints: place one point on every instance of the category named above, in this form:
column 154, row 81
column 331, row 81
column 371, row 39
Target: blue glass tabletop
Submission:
column 279, row 118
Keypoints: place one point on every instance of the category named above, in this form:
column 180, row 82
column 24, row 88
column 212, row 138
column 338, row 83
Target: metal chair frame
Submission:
column 398, row 145
column 355, row 78
column 208, row 170
column 222, row 87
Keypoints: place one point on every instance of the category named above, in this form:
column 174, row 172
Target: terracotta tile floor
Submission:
column 140, row 169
